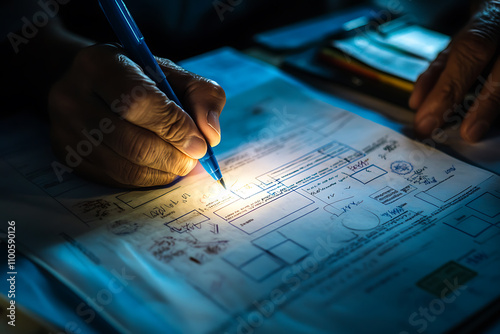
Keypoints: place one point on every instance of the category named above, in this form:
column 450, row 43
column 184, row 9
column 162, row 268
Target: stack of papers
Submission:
column 396, row 58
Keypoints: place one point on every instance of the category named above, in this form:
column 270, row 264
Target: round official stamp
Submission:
column 401, row 167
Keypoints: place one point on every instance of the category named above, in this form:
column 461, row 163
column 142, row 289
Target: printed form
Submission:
column 331, row 223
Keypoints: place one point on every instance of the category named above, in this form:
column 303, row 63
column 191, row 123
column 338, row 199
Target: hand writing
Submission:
column 140, row 137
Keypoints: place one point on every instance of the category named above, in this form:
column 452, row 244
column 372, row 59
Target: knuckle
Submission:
column 181, row 166
column 452, row 90
column 133, row 175
column 147, row 177
column 174, row 126
column 139, row 101
column 175, row 162
column 475, row 47
column 157, row 178
column 183, row 169
column 487, row 23
column 141, row 150
column 207, row 87
column 169, row 65
column 186, row 167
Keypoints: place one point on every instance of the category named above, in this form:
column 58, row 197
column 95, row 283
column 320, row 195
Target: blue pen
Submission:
column 133, row 42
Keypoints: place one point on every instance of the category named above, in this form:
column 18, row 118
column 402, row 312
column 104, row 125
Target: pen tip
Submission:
column 221, row 182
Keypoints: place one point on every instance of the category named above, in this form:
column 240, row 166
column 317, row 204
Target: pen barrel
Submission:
column 133, row 42
column 210, row 164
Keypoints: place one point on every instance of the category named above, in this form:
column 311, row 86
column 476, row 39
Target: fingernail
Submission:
column 195, row 147
column 477, row 131
column 213, row 121
column 427, row 125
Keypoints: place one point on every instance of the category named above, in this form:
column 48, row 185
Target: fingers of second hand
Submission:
column 485, row 108
column 468, row 56
column 427, row 79
column 483, row 30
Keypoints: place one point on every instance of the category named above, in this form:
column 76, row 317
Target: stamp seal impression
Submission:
column 401, row 167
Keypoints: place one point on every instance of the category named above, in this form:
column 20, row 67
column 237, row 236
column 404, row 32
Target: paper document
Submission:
column 330, row 224
column 384, row 59
column 415, row 40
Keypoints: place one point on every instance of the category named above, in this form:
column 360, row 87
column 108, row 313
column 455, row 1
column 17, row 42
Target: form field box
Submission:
column 260, row 211
column 368, row 174
column 487, row 204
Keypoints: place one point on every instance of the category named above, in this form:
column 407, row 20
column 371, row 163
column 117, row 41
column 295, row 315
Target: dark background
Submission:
column 180, row 29
column 184, row 28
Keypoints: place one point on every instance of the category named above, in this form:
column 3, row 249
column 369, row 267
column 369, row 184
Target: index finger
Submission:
column 202, row 98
